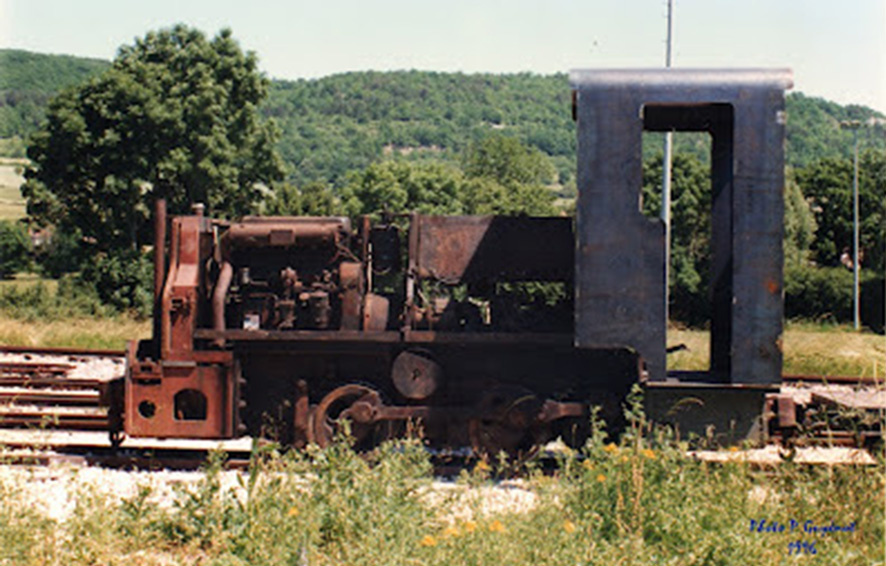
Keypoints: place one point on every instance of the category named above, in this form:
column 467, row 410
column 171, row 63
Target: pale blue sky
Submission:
column 836, row 49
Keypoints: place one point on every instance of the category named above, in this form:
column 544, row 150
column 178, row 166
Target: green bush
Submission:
column 72, row 299
column 825, row 294
column 122, row 280
column 818, row 293
column 63, row 253
column 15, row 248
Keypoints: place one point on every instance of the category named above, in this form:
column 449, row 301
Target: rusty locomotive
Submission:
column 289, row 326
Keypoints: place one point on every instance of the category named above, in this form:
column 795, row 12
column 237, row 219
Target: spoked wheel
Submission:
column 506, row 422
column 354, row 404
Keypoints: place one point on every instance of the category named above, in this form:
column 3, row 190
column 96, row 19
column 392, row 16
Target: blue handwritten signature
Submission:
column 808, row 527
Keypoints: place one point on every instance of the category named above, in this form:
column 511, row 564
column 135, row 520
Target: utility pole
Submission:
column 666, row 178
column 854, row 125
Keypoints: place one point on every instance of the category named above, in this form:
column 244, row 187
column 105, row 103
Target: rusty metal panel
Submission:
column 727, row 413
column 181, row 294
column 458, row 249
column 152, row 408
column 620, row 253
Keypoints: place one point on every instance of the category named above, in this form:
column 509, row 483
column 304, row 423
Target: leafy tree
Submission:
column 315, row 199
column 506, row 176
column 175, row 116
column 122, row 280
column 508, row 162
column 828, row 184
column 14, row 248
column 799, row 224
column 690, row 231
column 63, row 253
column 399, row 186
column 502, row 176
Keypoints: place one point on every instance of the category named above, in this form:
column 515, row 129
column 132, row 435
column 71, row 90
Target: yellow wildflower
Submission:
column 451, row 531
column 587, row 464
column 601, row 478
column 428, row 540
column 496, row 526
column 649, row 453
column 293, row 512
column 624, row 459
column 733, row 448
column 470, row 526
column 482, row 467
column 611, row 448
column 569, row 526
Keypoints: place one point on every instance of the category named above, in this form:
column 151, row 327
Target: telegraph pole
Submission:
column 854, row 125
column 666, row 177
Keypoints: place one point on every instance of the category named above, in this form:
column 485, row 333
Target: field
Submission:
column 809, row 349
column 12, row 205
column 637, row 502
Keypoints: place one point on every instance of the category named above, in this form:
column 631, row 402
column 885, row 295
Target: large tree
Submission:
column 501, row 176
column 828, row 184
column 175, row 116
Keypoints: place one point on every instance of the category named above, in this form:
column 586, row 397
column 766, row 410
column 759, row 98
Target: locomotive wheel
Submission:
column 507, row 423
column 343, row 404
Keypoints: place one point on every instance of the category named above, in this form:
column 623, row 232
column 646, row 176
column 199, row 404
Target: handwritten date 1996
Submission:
column 802, row 547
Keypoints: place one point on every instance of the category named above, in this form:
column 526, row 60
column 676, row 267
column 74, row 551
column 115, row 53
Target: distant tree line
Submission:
column 191, row 119
column 333, row 125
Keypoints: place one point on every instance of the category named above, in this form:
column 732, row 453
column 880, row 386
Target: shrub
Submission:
column 122, row 280
column 15, row 247
column 825, row 294
column 63, row 253
column 818, row 293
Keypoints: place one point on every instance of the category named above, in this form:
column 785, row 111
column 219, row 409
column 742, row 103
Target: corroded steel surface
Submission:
column 494, row 248
column 620, row 253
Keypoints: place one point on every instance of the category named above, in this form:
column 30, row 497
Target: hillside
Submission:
column 336, row 124
column 29, row 80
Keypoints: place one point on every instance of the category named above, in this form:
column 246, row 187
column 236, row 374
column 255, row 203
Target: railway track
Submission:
column 57, row 388
column 57, row 399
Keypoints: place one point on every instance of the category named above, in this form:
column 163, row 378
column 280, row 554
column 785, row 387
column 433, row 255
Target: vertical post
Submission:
column 666, row 179
column 856, row 302
column 159, row 263
column 854, row 125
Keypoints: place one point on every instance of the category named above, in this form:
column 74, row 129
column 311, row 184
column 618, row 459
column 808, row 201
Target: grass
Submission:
column 105, row 333
column 636, row 503
column 12, row 205
column 24, row 281
column 35, row 313
column 809, row 349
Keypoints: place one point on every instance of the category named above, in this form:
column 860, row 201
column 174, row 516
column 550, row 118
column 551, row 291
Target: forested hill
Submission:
column 27, row 82
column 337, row 123
column 332, row 125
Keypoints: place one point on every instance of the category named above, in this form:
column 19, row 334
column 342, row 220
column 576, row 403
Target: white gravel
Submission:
column 53, row 490
column 102, row 368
